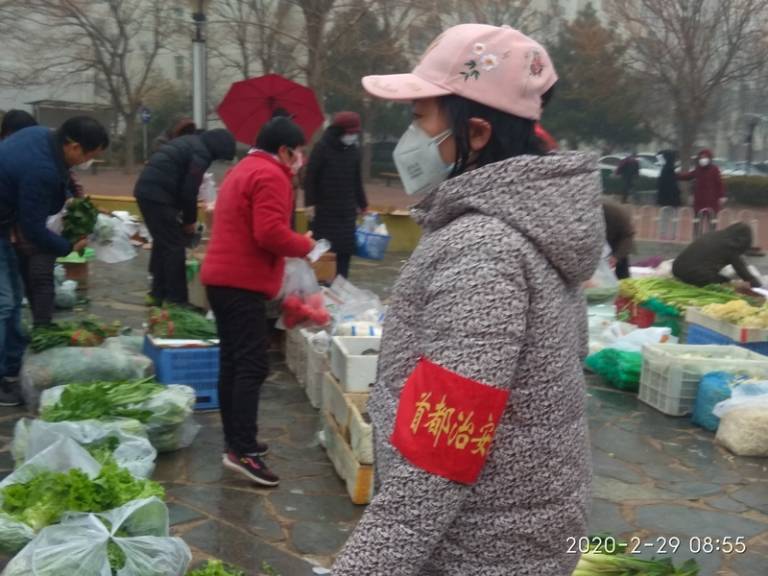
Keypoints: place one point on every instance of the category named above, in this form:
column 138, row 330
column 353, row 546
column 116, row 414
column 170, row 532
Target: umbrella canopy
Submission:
column 249, row 104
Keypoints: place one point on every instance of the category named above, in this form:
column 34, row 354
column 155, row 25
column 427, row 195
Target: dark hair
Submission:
column 280, row 131
column 511, row 135
column 83, row 130
column 15, row 120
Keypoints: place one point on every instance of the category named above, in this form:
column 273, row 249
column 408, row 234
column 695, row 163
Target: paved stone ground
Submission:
column 655, row 476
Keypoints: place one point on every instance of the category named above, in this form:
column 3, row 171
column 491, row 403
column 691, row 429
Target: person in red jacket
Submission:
column 243, row 269
column 708, row 188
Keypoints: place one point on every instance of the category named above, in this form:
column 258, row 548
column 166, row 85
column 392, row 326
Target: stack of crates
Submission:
column 194, row 366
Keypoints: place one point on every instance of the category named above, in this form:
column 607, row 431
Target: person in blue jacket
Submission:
column 34, row 178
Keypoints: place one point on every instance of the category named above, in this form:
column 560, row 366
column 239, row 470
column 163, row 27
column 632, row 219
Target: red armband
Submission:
column 445, row 423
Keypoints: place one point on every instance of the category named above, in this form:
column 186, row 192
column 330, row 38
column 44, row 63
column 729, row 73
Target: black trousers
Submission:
column 168, row 261
column 342, row 264
column 241, row 319
column 37, row 273
column 622, row 268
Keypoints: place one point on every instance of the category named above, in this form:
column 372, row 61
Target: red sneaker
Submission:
column 251, row 467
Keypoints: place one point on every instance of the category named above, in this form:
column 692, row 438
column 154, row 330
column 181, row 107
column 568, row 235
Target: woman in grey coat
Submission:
column 482, row 450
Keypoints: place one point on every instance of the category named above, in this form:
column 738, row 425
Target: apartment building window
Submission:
column 180, row 68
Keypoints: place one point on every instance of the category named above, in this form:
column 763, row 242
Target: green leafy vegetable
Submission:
column 48, row 495
column 102, row 450
column 216, row 568
column 84, row 333
column 176, row 322
column 103, row 400
column 80, row 219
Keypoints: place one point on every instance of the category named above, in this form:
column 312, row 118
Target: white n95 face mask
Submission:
column 418, row 160
column 350, row 139
column 704, row 161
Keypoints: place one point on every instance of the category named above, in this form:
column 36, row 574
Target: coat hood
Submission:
column 670, row 157
column 220, row 143
column 552, row 200
column 706, row 153
column 739, row 236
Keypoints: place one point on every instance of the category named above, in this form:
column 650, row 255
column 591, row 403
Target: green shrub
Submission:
column 613, row 184
column 747, row 190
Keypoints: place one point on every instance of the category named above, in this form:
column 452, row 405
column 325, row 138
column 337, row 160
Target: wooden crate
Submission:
column 358, row 477
column 339, row 404
column 325, row 268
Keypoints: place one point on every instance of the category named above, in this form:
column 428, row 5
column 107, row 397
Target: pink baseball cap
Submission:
column 497, row 66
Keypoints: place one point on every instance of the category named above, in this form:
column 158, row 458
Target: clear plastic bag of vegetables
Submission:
column 62, row 456
column 111, row 239
column 59, row 366
column 128, row 541
column 123, row 440
column 165, row 411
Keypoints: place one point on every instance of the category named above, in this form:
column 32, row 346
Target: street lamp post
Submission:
column 199, row 65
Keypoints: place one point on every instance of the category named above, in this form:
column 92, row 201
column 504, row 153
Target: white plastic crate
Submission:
column 357, row 373
column 671, row 372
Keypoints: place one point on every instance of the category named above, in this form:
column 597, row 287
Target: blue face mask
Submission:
column 418, row 160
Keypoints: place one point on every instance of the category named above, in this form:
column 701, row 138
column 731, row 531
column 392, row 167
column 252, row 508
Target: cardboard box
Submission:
column 325, row 268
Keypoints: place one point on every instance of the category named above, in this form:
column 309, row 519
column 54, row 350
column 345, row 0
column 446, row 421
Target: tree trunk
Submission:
column 129, row 154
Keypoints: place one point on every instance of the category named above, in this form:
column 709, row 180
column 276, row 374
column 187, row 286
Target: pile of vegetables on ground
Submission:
column 47, row 496
column 88, row 332
column 79, row 219
column 216, row 568
column 739, row 312
column 166, row 411
column 178, row 322
column 597, row 561
column 675, row 295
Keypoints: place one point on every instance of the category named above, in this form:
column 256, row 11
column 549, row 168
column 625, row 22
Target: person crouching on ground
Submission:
column 242, row 270
column 702, row 262
column 482, row 450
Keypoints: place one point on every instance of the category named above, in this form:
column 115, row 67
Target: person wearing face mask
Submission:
column 708, row 188
column 35, row 168
column 333, row 187
column 481, row 450
column 167, row 194
column 243, row 269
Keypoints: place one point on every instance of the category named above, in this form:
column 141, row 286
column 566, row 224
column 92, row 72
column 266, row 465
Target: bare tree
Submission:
column 530, row 16
column 690, row 50
column 254, row 37
column 118, row 41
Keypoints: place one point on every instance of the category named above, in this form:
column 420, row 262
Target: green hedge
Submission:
column 747, row 190
column 613, row 185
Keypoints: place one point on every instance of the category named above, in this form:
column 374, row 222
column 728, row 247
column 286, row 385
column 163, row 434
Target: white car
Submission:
column 647, row 168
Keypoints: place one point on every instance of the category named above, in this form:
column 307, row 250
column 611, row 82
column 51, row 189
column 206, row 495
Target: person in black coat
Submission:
column 333, row 185
column 703, row 260
column 668, row 190
column 166, row 192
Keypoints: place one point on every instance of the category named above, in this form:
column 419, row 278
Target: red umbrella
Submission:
column 249, row 104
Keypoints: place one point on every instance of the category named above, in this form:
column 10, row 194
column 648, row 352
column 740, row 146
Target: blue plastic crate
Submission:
column 195, row 367
column 370, row 245
column 700, row 335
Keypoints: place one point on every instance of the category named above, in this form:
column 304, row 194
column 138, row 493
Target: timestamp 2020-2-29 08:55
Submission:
column 658, row 545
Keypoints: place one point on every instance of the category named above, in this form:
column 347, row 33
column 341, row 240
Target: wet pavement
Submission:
column 657, row 478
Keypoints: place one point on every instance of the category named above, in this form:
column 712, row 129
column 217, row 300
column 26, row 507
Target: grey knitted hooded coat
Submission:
column 492, row 293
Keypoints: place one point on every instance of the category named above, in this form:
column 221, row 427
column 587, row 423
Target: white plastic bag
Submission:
column 603, row 285
column 744, row 420
column 59, row 366
column 171, row 425
column 55, row 223
column 133, row 451
column 356, row 305
column 303, row 301
column 66, row 295
column 634, row 340
column 61, row 456
column 208, row 190
column 79, row 545
column 111, row 239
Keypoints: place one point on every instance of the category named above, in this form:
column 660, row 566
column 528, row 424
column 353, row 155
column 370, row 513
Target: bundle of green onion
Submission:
column 597, row 562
